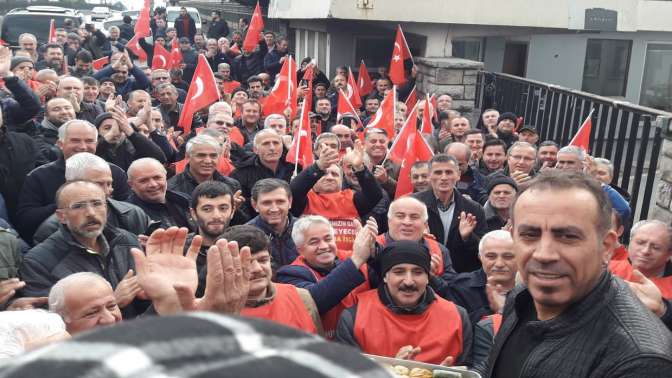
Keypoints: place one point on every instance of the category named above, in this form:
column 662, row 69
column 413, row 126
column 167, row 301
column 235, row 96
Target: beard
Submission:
column 212, row 232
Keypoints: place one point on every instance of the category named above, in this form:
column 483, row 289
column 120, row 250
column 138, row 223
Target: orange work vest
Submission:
column 286, row 308
column 229, row 86
column 437, row 331
column 330, row 318
column 339, row 208
column 620, row 253
column 496, row 323
column 623, row 269
column 434, row 249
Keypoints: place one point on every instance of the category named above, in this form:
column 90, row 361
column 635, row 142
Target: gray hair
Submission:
column 18, row 329
column 265, row 132
column 326, row 135
column 77, row 166
column 63, row 130
column 521, row 144
column 223, row 65
column 58, row 292
column 27, row 35
column 646, row 222
column 200, row 140
column 213, row 108
column 113, row 28
column 575, row 150
column 274, row 117
column 424, row 215
column 501, row 235
column 135, row 165
column 607, row 163
column 465, row 149
column 304, row 223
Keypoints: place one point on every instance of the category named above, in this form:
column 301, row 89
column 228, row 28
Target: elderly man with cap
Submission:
column 529, row 134
column 23, row 68
column 404, row 318
column 120, row 144
column 501, row 192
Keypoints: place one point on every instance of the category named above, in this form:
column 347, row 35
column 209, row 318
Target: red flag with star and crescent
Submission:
column 582, row 137
column 175, row 53
column 256, row 27
column 301, row 150
column 353, row 91
column 284, row 93
column 142, row 28
column 427, row 115
column 400, row 53
column 52, row 31
column 134, row 46
column 202, row 92
column 344, row 109
column 161, row 59
column 364, row 83
column 384, row 117
column 98, row 64
column 412, row 99
column 397, row 151
column 417, row 149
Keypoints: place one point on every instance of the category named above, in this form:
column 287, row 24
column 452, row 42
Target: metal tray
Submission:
column 415, row 364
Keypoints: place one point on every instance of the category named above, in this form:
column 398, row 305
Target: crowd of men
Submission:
column 505, row 258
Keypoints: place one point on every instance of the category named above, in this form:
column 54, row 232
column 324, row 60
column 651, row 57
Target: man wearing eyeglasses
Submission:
column 83, row 243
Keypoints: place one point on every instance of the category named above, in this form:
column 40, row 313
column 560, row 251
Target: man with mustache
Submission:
column 84, row 242
column 572, row 317
column 501, row 192
column 404, row 318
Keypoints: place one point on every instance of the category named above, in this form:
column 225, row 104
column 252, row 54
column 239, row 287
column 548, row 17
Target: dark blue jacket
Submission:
column 283, row 250
column 336, row 285
column 468, row 290
column 476, row 187
column 272, row 63
column 138, row 81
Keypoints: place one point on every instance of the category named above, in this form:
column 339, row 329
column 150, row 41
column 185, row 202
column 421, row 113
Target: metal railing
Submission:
column 628, row 135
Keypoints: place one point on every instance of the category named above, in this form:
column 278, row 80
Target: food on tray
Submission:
column 420, row 373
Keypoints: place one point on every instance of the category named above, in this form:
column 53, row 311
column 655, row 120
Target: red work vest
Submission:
column 286, row 308
column 229, row 86
column 224, row 165
column 496, row 323
column 623, row 269
column 434, row 249
column 330, row 318
column 437, row 331
column 339, row 208
column 620, row 253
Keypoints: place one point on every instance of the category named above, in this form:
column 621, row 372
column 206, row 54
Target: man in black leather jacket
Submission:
column 572, row 318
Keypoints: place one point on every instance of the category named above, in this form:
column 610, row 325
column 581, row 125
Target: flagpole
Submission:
column 298, row 141
column 396, row 140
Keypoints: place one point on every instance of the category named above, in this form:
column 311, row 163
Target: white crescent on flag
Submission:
column 164, row 63
column 397, row 46
column 199, row 88
column 349, row 91
column 376, row 118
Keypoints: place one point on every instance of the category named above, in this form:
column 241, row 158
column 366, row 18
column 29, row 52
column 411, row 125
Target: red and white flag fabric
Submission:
column 142, row 28
column 411, row 100
column 417, row 149
column 400, row 53
column 256, row 27
column 301, row 150
column 161, row 59
column 353, row 91
column 98, row 64
column 284, row 93
column 397, row 151
column 202, row 92
column 345, row 108
column 364, row 83
column 52, row 31
column 582, row 137
column 384, row 117
column 134, row 46
column 175, row 53
column 427, row 115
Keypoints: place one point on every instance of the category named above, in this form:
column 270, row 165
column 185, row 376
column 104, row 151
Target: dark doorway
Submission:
column 515, row 58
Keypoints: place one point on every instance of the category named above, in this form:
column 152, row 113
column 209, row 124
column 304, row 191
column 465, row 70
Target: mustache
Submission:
column 554, row 268
column 408, row 288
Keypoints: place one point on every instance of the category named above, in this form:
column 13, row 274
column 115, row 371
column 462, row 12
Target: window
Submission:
column 468, row 49
column 605, row 71
column 657, row 83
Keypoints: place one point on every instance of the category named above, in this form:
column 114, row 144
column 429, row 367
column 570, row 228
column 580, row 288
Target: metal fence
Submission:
column 627, row 134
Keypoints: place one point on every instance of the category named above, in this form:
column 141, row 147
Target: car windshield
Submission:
column 38, row 24
column 172, row 15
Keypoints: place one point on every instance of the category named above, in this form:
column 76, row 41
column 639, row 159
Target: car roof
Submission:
column 45, row 9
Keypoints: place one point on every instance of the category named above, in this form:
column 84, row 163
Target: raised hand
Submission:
column 496, row 296
column 380, row 173
column 647, row 292
column 127, row 289
column 9, row 287
column 328, row 156
column 467, row 225
column 5, row 61
column 163, row 267
column 364, row 243
column 408, row 352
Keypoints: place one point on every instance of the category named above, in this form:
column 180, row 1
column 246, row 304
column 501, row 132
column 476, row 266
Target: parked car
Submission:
column 35, row 20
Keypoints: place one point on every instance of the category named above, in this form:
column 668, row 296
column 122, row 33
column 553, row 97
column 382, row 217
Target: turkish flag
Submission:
column 175, row 54
column 412, row 99
column 98, row 64
column 142, row 28
column 235, row 49
column 202, row 92
column 284, row 92
column 364, row 83
column 235, row 136
column 398, row 150
column 134, row 46
column 52, row 31
column 582, row 137
column 427, row 126
column 417, row 149
column 161, row 59
column 400, row 53
column 256, row 27
column 384, row 117
column 353, row 91
column 345, row 108
column 301, row 150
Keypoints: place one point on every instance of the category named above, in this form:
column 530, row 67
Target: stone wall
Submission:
column 455, row 76
column 661, row 204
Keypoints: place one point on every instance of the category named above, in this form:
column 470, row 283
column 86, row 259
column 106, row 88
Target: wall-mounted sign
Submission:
column 601, row 19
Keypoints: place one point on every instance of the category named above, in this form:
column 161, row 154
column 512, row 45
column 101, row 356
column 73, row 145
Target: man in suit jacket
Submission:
column 455, row 221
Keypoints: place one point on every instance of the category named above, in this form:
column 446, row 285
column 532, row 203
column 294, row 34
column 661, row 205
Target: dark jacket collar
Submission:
column 266, row 228
column 425, row 301
column 575, row 317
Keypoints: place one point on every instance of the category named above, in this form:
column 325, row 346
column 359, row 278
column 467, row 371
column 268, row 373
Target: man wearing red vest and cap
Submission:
column 403, row 318
column 332, row 279
column 277, row 302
